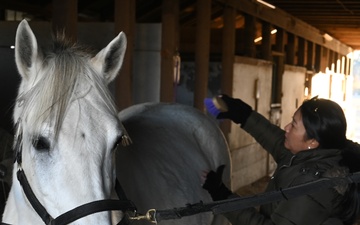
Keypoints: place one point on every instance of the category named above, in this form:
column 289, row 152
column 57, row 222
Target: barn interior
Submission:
column 273, row 54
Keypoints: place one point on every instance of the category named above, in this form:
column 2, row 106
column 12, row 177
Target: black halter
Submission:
column 81, row 211
column 122, row 204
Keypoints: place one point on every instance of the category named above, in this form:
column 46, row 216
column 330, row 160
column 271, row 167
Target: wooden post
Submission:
column 280, row 65
column 124, row 20
column 202, row 52
column 250, row 30
column 64, row 18
column 290, row 49
column 342, row 64
column 266, row 41
column 310, row 56
column 301, row 52
column 228, row 58
column 345, row 65
column 169, row 46
column 330, row 59
column 336, row 58
column 318, row 56
column 324, row 59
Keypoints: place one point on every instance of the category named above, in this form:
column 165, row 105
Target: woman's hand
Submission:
column 214, row 185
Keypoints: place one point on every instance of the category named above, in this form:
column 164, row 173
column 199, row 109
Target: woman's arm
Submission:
column 268, row 135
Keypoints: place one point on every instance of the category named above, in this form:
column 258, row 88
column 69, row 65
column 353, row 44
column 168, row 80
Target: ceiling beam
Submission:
column 287, row 22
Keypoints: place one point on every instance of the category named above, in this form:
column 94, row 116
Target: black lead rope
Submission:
column 239, row 203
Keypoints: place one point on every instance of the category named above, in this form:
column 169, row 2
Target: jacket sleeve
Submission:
column 268, row 135
column 308, row 209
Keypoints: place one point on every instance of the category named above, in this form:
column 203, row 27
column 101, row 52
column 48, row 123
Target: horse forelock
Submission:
column 62, row 69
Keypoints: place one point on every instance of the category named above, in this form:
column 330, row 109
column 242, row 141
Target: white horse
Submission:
column 172, row 144
column 67, row 131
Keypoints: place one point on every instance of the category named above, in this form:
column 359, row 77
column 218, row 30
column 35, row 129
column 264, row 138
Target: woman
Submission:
column 313, row 146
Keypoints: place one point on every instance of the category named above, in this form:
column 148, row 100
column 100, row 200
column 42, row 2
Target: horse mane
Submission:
column 61, row 69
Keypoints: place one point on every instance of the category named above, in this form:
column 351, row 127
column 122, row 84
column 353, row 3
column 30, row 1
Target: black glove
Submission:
column 214, row 185
column 238, row 111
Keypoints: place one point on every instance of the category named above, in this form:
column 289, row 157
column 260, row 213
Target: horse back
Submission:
column 172, row 145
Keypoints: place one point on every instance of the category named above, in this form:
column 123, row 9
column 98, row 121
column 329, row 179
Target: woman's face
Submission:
column 295, row 135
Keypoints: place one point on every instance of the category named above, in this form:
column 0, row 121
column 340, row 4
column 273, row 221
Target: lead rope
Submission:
column 239, row 203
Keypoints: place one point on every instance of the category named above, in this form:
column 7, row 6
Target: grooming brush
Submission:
column 215, row 105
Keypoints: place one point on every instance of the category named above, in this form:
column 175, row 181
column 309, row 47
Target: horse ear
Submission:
column 26, row 49
column 109, row 60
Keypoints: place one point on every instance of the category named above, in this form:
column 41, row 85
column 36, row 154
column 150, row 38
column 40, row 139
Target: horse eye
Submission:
column 116, row 144
column 41, row 144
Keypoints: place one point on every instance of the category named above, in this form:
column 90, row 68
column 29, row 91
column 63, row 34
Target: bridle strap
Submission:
column 81, row 211
column 38, row 207
column 90, row 208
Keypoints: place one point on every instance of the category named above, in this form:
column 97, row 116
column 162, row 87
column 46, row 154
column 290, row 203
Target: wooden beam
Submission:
column 169, row 46
column 250, row 30
column 310, row 56
column 202, row 52
column 290, row 49
column 301, row 52
column 330, row 58
column 228, row 58
column 342, row 64
column 320, row 62
column 228, row 51
column 336, row 66
column 324, row 59
column 279, row 60
column 266, row 41
column 346, row 66
column 289, row 23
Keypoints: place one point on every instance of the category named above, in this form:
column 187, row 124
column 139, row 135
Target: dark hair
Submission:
column 324, row 120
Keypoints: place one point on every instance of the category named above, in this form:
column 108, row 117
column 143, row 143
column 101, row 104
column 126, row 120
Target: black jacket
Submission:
column 322, row 207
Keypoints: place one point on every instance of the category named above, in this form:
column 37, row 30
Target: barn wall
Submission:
column 293, row 88
column 249, row 161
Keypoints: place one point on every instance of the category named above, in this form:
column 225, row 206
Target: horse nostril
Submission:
column 3, row 171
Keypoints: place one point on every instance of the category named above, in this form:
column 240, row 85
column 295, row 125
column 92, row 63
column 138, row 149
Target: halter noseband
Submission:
column 122, row 204
column 81, row 211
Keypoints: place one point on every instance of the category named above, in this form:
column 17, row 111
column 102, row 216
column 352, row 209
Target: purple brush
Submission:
column 215, row 105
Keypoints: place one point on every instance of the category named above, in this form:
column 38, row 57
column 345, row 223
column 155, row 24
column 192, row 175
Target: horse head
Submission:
column 67, row 127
